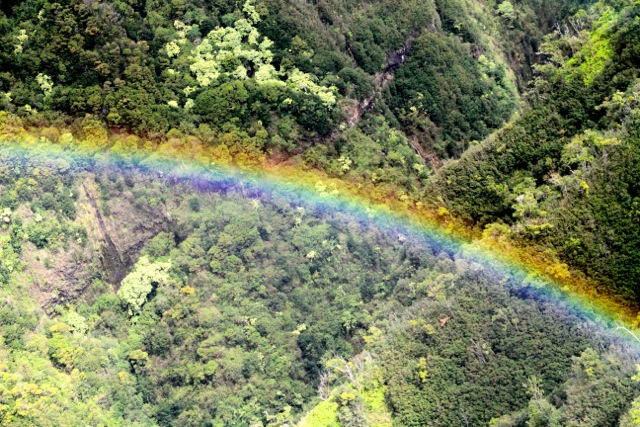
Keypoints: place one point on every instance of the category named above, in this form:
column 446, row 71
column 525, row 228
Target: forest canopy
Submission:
column 250, row 307
column 179, row 247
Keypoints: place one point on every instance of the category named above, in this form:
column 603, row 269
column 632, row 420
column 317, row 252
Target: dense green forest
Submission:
column 132, row 296
column 294, row 68
column 247, row 307
column 565, row 174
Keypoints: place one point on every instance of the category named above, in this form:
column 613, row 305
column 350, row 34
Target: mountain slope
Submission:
column 238, row 305
column 133, row 296
column 564, row 176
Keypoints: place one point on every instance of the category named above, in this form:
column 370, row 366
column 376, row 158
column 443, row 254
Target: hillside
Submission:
column 239, row 303
column 564, row 175
column 294, row 69
column 279, row 213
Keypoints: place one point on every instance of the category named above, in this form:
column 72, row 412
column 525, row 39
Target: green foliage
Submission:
column 240, row 52
column 472, row 354
column 577, row 149
column 152, row 68
column 240, row 305
column 324, row 414
column 146, row 275
column 593, row 377
column 442, row 90
column 238, row 311
column 505, row 9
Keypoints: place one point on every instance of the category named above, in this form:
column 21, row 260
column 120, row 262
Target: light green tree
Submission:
column 505, row 9
column 140, row 282
column 541, row 412
column 632, row 418
column 240, row 52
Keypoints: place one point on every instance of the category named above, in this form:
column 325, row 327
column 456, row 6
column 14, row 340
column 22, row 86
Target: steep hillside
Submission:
column 146, row 281
column 564, row 176
column 177, row 302
column 296, row 69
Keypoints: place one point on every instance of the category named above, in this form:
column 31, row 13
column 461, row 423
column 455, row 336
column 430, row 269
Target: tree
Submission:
column 138, row 284
column 505, row 9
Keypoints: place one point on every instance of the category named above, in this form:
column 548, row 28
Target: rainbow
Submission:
column 207, row 175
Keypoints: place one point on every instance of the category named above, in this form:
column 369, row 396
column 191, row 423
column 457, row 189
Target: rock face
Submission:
column 394, row 60
column 113, row 241
column 110, row 257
